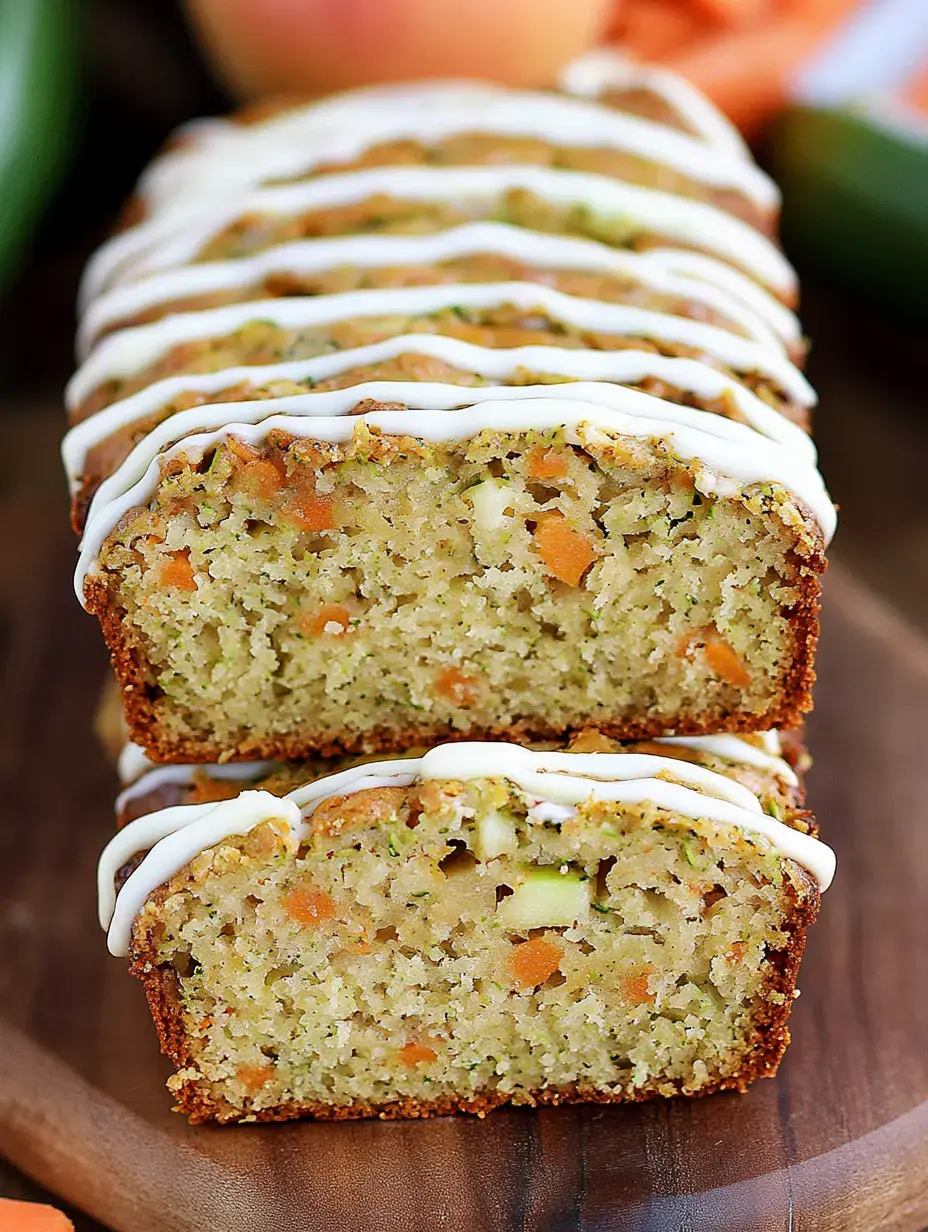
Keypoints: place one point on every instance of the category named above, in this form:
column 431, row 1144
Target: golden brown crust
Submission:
column 140, row 696
column 764, row 1048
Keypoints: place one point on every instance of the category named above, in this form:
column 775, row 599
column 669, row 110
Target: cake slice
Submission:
column 521, row 565
column 480, row 925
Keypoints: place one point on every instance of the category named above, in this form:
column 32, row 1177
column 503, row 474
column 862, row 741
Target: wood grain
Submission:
column 838, row 1141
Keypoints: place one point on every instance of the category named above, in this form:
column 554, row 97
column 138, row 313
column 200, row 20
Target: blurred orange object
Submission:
column 654, row 28
column 741, row 53
column 915, row 92
column 735, row 12
column 32, row 1217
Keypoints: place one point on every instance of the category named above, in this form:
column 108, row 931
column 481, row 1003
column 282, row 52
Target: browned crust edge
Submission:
column 139, row 698
column 766, row 1045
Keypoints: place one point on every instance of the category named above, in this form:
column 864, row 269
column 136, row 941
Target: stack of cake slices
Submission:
column 441, row 457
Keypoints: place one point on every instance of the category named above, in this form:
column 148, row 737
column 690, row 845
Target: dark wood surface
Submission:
column 838, row 1141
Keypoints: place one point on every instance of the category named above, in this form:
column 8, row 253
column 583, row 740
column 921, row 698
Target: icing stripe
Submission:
column 725, row 465
column 172, row 239
column 295, row 145
column 683, row 263
column 173, row 837
column 606, row 69
column 502, row 364
column 537, row 250
column 159, row 776
column 733, row 748
column 133, row 349
column 414, row 396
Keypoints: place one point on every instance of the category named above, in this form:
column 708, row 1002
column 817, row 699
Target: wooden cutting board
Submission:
column 838, row 1141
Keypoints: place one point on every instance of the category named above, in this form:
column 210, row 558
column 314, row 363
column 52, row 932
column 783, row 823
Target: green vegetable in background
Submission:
column 38, row 89
column 855, row 198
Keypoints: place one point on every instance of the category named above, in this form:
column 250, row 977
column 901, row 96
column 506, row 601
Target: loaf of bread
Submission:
column 449, row 409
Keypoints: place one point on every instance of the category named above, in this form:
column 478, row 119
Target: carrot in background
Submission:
column 747, row 72
column 915, row 92
column 32, row 1217
column 655, row 28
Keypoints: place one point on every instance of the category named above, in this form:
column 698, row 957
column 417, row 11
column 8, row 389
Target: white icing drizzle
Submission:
column 701, row 281
column 414, row 396
column 684, row 263
column 727, row 463
column 131, row 350
column 735, row 749
column 292, row 147
column 173, row 837
column 606, row 69
column 172, row 238
column 770, row 742
column 132, row 763
column 158, row 776
column 502, row 364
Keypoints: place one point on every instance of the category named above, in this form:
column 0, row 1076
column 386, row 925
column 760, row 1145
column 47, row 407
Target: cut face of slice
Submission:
column 418, row 943
column 506, row 582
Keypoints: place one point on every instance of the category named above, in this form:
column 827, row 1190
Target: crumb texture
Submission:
column 289, row 600
column 442, row 944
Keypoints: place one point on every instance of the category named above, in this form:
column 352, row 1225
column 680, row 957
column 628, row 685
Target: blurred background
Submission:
column 833, row 95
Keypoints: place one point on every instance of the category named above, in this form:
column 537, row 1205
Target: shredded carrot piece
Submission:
column 458, row 688
column 723, row 662
column 178, row 572
column 263, row 478
column 254, row 1077
column 242, row 449
column 727, row 665
column 16, row 1216
column 319, row 622
column 308, row 905
column 736, row 952
column 565, row 551
column 547, row 464
column 636, row 989
column 532, row 962
column 416, row 1054
column 312, row 511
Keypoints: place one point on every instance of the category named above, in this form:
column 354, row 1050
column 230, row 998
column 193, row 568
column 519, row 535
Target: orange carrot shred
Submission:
column 723, row 662
column 313, row 511
column 307, row 905
column 532, row 962
column 318, row 622
column 254, row 1077
column 566, row 553
column 547, row 464
column 263, row 478
column 636, row 990
column 242, row 449
column 727, row 665
column 454, row 685
column 178, row 572
column 416, row 1054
